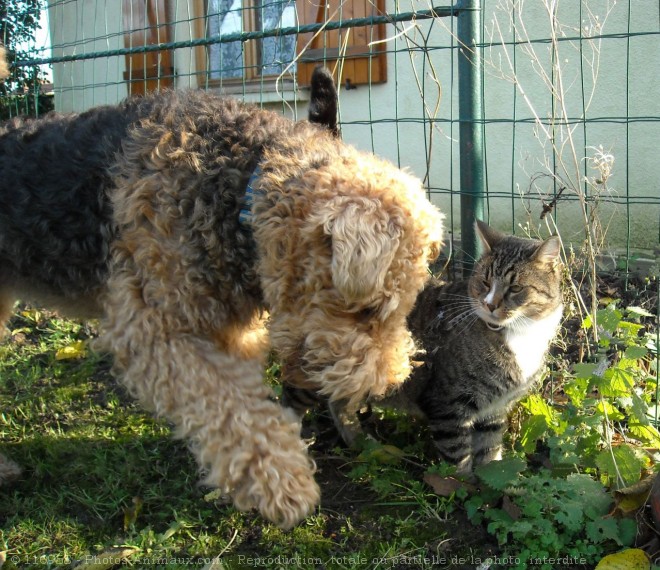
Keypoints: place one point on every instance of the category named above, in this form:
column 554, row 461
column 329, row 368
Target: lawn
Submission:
column 105, row 484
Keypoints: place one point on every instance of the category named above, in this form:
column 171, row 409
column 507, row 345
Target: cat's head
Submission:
column 515, row 278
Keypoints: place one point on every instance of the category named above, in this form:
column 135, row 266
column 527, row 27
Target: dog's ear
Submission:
column 364, row 242
column 323, row 100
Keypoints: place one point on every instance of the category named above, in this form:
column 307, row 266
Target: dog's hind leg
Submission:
column 211, row 388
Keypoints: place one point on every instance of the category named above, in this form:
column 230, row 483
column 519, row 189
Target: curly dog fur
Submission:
column 131, row 213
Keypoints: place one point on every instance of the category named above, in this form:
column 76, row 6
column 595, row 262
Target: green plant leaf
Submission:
column 576, row 389
column 645, row 433
column 595, row 499
column 532, row 429
column 610, row 412
column 571, row 515
column 620, row 465
column 635, row 352
column 584, row 369
column 501, row 474
column 630, row 330
column 638, row 311
column 608, row 319
column 615, row 382
column 608, row 529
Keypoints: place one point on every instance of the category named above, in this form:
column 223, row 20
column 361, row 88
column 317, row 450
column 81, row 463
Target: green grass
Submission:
column 105, row 484
column 102, row 477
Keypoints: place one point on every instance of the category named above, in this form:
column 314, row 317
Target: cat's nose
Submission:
column 491, row 307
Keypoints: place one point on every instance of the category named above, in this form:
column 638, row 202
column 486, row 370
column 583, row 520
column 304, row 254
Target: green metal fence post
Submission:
column 470, row 114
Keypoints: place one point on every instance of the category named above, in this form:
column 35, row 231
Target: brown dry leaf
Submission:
column 446, row 486
column 509, row 507
column 633, row 498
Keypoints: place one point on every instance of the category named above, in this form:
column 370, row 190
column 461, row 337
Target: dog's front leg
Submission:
column 248, row 445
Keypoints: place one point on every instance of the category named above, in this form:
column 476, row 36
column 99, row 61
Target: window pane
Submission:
column 225, row 17
column 277, row 52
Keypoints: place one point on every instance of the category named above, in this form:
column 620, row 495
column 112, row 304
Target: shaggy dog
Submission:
column 179, row 219
column 4, row 67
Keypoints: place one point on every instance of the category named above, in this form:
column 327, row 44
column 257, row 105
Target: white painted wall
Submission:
column 394, row 120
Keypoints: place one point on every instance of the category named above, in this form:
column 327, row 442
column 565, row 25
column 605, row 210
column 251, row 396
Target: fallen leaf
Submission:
column 446, row 486
column 71, row 352
column 631, row 499
column 107, row 559
column 383, row 455
column 510, row 508
column 631, row 559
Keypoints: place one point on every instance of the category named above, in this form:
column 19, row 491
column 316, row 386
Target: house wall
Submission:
column 606, row 80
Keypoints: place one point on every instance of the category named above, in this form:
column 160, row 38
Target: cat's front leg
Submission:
column 346, row 421
column 453, row 443
column 487, row 439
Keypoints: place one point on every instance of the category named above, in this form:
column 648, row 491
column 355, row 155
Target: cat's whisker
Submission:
column 467, row 324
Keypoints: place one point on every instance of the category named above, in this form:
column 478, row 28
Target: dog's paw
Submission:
column 280, row 485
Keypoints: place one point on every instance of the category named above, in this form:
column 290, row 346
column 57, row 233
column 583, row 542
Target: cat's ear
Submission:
column 548, row 251
column 487, row 235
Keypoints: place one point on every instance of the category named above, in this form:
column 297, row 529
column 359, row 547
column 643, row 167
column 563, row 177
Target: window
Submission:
column 362, row 58
column 146, row 22
column 265, row 57
column 357, row 54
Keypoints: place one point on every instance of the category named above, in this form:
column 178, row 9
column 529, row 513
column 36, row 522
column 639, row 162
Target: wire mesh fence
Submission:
column 568, row 112
column 540, row 117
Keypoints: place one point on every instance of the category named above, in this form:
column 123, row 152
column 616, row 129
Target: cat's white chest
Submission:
column 529, row 342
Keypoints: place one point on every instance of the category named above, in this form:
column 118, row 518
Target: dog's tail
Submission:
column 323, row 100
column 4, row 66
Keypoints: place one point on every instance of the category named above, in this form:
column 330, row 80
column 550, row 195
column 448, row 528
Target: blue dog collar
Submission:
column 245, row 215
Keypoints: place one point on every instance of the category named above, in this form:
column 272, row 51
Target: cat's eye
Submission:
column 486, row 283
column 515, row 288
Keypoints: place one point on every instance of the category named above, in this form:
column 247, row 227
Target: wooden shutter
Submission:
column 361, row 63
column 146, row 23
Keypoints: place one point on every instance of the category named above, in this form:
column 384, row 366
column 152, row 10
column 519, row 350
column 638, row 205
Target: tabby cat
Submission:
column 484, row 340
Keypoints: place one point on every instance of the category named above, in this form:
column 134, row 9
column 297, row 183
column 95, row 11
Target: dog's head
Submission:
column 344, row 250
